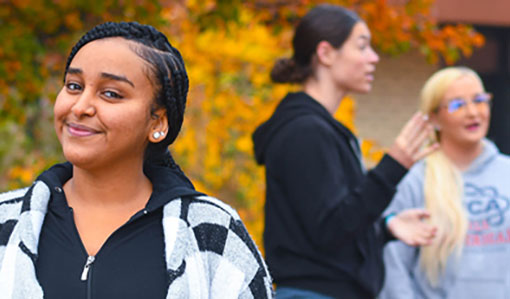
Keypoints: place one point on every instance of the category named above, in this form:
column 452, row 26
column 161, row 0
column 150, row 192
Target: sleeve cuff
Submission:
column 390, row 170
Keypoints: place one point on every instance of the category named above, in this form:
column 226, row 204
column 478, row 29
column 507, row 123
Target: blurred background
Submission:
column 229, row 48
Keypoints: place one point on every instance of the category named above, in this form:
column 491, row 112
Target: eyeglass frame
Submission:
column 464, row 102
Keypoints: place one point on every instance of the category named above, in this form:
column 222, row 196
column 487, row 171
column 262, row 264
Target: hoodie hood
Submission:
column 294, row 105
column 167, row 183
column 489, row 153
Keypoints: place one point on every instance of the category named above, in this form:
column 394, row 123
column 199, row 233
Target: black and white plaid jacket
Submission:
column 197, row 267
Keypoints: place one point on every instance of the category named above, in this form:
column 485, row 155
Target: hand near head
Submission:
column 408, row 226
column 408, row 146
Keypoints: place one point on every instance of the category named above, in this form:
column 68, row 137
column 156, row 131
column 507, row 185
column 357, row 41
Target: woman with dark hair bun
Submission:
column 324, row 233
column 120, row 219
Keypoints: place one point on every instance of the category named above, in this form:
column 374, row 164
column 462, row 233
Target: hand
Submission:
column 408, row 226
column 407, row 148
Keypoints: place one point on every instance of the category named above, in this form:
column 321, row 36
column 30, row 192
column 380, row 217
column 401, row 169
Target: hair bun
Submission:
column 286, row 70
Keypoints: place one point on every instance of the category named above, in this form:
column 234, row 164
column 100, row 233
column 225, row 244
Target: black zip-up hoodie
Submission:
column 130, row 264
column 323, row 228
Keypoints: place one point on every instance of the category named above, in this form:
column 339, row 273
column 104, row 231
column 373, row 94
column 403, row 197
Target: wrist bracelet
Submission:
column 389, row 218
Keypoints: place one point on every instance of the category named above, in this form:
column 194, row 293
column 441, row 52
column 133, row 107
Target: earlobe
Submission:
column 435, row 123
column 159, row 127
column 158, row 134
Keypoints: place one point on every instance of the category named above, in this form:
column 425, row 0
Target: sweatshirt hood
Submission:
column 167, row 183
column 295, row 104
column 489, row 153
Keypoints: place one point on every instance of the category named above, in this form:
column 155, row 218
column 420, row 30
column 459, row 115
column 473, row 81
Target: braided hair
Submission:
column 167, row 73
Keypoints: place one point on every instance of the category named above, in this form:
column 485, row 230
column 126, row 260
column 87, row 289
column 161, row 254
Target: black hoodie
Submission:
column 132, row 259
column 323, row 228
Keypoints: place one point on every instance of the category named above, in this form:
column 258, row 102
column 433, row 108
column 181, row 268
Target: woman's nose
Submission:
column 471, row 108
column 374, row 58
column 84, row 105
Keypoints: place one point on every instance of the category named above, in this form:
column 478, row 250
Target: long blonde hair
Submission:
column 443, row 186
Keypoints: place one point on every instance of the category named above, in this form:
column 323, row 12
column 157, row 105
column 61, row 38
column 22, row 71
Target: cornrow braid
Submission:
column 168, row 75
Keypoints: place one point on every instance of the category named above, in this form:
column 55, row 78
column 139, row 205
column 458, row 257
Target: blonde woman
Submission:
column 465, row 187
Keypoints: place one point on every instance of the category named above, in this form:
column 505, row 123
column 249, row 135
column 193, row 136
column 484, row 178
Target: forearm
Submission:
column 350, row 213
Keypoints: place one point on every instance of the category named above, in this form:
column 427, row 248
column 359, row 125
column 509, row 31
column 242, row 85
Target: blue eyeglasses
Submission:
column 481, row 100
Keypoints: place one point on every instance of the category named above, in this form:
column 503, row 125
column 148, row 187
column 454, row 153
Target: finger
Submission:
column 427, row 234
column 408, row 127
column 423, row 214
column 411, row 243
column 427, row 242
column 422, row 153
column 422, row 241
column 430, row 233
column 418, row 213
column 434, row 230
column 420, row 138
column 416, row 242
column 426, row 151
column 418, row 127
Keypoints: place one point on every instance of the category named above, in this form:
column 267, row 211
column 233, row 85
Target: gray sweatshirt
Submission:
column 483, row 269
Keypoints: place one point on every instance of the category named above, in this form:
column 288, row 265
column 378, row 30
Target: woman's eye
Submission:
column 73, row 86
column 455, row 105
column 112, row 94
column 481, row 98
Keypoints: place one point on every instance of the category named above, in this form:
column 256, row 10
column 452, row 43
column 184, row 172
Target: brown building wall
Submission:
column 394, row 98
column 480, row 12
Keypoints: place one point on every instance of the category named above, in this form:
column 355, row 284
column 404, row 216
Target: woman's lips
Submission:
column 80, row 130
column 369, row 76
column 473, row 127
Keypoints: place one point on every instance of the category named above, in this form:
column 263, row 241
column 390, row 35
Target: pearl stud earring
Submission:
column 156, row 135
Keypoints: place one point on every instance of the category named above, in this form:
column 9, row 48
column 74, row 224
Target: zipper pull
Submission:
column 85, row 272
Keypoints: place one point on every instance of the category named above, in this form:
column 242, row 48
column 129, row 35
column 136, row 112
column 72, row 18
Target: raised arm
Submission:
column 316, row 170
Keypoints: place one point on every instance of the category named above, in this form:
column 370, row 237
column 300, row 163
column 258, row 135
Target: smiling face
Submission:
column 468, row 125
column 354, row 64
column 103, row 112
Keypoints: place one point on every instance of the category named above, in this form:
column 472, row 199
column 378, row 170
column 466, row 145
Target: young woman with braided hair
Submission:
column 324, row 232
column 120, row 219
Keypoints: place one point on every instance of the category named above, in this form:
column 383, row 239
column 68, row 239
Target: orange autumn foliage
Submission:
column 229, row 48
